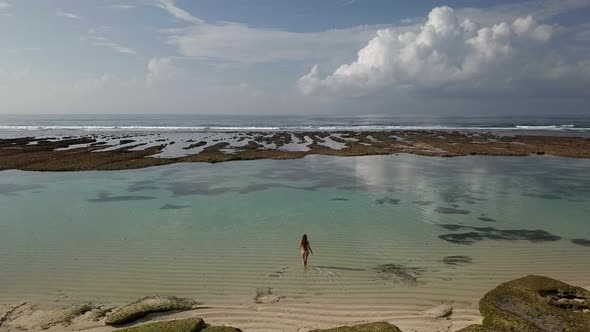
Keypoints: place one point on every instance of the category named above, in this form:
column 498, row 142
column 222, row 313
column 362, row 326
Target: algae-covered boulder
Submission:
column 221, row 329
column 370, row 327
column 148, row 305
column 534, row 304
column 63, row 316
column 181, row 325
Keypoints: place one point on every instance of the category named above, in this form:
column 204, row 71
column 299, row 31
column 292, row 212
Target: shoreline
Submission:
column 511, row 305
column 133, row 151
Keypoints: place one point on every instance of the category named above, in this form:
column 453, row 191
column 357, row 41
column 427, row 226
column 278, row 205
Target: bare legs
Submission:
column 304, row 256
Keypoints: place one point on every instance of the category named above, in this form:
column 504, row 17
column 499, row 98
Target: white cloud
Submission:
column 4, row 5
column 179, row 13
column 447, row 51
column 122, row 6
column 161, row 69
column 236, row 42
column 95, row 38
column 68, row 15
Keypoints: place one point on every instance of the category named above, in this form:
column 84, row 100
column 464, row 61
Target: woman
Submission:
column 305, row 249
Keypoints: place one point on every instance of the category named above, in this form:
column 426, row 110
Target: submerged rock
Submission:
column 534, row 304
column 265, row 296
column 441, row 311
column 181, row 325
column 457, row 260
column 399, row 272
column 370, row 327
column 148, row 305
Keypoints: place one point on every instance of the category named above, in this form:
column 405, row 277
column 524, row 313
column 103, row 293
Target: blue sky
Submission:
column 294, row 57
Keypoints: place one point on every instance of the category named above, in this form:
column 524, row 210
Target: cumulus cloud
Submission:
column 161, row 69
column 447, row 51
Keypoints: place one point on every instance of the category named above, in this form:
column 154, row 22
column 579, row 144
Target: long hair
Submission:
column 304, row 241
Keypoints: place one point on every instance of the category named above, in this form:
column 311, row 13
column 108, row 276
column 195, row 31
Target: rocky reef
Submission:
column 98, row 152
column 534, row 304
column 146, row 306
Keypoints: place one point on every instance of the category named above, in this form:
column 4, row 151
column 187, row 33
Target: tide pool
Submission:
column 392, row 235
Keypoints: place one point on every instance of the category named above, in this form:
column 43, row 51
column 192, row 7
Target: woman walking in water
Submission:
column 305, row 249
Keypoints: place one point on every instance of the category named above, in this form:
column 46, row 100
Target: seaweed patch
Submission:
column 104, row 197
column 490, row 233
column 457, row 260
column 581, row 242
column 447, row 210
column 399, row 273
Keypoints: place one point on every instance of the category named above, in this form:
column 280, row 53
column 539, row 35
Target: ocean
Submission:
column 80, row 124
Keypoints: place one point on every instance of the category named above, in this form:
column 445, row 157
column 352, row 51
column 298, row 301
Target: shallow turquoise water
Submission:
column 235, row 227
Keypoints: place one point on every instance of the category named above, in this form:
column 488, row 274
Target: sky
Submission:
column 349, row 57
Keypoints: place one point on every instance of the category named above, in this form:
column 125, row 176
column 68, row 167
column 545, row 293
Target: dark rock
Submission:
column 195, row 145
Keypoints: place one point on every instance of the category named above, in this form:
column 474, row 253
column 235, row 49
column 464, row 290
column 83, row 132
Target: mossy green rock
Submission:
column 221, row 329
column 146, row 306
column 370, row 327
column 64, row 316
column 181, row 325
column 534, row 304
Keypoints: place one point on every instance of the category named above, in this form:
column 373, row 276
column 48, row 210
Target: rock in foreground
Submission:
column 370, row 327
column 534, row 304
column 63, row 316
column 181, row 325
column 146, row 306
